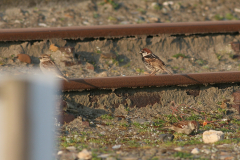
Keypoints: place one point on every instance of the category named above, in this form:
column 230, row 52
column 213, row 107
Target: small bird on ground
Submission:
column 47, row 65
column 186, row 127
column 153, row 62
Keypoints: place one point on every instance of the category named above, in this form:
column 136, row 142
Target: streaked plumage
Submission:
column 153, row 62
column 186, row 127
column 47, row 65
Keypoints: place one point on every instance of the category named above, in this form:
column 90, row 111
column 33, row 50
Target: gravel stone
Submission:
column 166, row 137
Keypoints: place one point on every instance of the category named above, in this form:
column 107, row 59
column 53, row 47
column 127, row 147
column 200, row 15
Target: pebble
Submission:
column 212, row 136
column 207, row 151
column 85, row 124
column 89, row 66
column 13, row 12
column 60, row 153
column 66, row 118
column 225, row 156
column 237, row 10
column 116, row 147
column 140, row 121
column 129, row 158
column 195, row 151
column 24, row 58
column 108, row 56
column 104, row 155
column 85, row 154
column 166, row 137
column 178, row 149
column 42, row 24
column 168, row 3
column 71, row 148
column 111, row 158
column 102, row 74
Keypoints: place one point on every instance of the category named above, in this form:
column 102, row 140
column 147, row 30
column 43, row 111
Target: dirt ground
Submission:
column 127, row 123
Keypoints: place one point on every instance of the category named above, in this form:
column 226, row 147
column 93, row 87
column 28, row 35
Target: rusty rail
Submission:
column 145, row 81
column 119, row 30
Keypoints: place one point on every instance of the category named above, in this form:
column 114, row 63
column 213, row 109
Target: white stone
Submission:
column 85, row 154
column 168, row 3
column 60, row 153
column 116, row 147
column 178, row 149
column 104, row 156
column 195, row 151
column 71, row 148
column 42, row 24
column 237, row 10
column 212, row 136
column 207, row 151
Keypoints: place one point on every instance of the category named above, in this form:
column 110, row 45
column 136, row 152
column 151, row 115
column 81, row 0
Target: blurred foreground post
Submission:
column 27, row 117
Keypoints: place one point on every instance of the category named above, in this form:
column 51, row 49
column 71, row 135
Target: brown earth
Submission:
column 133, row 118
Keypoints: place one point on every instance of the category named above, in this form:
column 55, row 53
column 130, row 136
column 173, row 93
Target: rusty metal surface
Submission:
column 144, row 81
column 119, row 30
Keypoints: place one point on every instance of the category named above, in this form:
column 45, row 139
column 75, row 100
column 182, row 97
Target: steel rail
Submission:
column 146, row 81
column 119, row 30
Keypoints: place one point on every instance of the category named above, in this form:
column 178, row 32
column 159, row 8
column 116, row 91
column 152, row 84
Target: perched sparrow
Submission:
column 153, row 62
column 186, row 127
column 47, row 65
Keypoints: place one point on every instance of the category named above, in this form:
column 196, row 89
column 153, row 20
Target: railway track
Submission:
column 118, row 31
column 124, row 101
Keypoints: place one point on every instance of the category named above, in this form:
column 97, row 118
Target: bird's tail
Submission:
column 61, row 76
column 168, row 71
column 65, row 79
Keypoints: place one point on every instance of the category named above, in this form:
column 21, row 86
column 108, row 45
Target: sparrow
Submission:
column 47, row 65
column 186, row 127
column 153, row 62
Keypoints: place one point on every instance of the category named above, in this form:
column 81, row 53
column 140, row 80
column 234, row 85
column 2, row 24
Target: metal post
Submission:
column 27, row 117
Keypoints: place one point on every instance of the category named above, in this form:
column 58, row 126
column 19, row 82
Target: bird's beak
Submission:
column 140, row 52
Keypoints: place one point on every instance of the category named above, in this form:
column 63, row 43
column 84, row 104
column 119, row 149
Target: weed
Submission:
column 159, row 123
column 95, row 15
column 115, row 62
column 193, row 117
column 133, row 143
column 106, row 116
column 180, row 55
column 182, row 155
column 205, row 67
column 62, row 19
column 124, row 124
column 108, row 123
column 171, row 118
column 121, row 60
column 127, row 65
column 137, row 124
column 98, row 51
column 114, row 4
column 218, row 17
column 229, row 16
column 102, row 3
column 138, row 70
column 201, row 62
column 219, row 103
column 158, row 7
column 227, row 141
column 222, row 111
column 142, row 11
column 219, row 57
column 111, row 18
column 175, row 67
